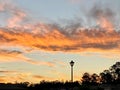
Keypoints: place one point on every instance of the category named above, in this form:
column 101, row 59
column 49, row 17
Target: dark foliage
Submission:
column 55, row 85
column 88, row 79
column 110, row 76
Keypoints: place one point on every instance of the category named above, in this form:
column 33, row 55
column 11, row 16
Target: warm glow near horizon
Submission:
column 39, row 38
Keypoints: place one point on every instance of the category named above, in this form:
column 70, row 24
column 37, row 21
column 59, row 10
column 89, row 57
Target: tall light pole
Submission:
column 71, row 64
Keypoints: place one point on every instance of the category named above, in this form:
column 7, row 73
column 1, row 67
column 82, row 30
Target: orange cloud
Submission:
column 52, row 37
column 80, row 40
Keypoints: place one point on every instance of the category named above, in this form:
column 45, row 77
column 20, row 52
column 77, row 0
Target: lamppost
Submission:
column 71, row 64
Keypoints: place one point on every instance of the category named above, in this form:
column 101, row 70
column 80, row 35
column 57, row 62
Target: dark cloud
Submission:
column 2, row 51
column 38, row 77
column 7, row 71
column 99, row 10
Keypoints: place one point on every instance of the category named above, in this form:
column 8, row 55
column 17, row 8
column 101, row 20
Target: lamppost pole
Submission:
column 71, row 73
column 71, row 63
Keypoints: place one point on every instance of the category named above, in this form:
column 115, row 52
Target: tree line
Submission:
column 110, row 76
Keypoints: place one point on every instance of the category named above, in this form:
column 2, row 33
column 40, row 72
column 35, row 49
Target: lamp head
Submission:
column 71, row 63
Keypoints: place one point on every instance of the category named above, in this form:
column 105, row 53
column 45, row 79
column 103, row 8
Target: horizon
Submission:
column 38, row 39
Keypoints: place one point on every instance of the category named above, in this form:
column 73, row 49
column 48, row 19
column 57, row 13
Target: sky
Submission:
column 38, row 38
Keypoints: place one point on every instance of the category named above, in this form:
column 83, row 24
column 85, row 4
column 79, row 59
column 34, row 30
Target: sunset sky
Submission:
column 38, row 38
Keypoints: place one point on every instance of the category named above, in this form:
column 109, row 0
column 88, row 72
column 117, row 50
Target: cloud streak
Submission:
column 17, row 56
column 17, row 77
column 7, row 72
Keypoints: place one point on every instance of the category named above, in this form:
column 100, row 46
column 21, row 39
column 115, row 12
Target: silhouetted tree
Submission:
column 112, row 75
column 86, row 78
column 106, row 77
column 94, row 79
column 115, row 70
